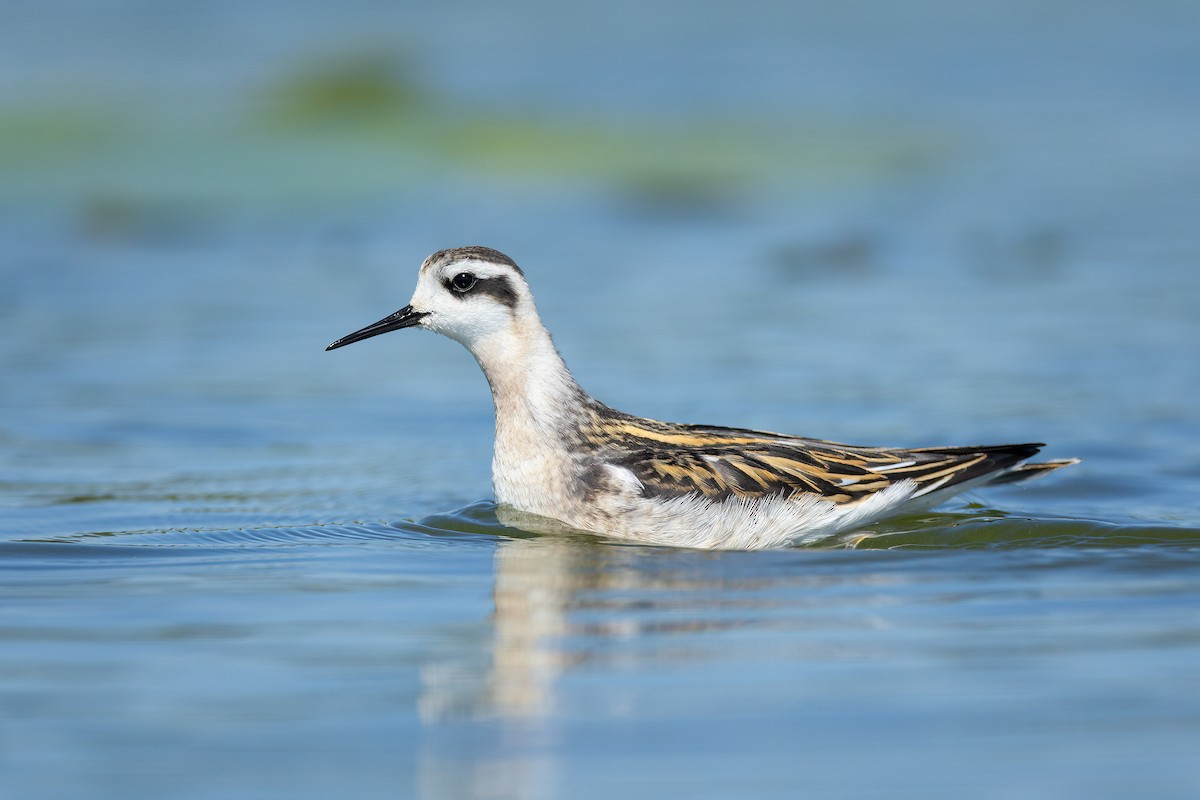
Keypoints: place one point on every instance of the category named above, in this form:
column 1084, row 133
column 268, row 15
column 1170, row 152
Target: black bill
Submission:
column 404, row 318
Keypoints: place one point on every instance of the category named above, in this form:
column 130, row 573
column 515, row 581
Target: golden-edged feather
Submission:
column 672, row 460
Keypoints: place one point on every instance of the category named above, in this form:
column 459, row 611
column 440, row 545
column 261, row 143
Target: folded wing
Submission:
column 728, row 462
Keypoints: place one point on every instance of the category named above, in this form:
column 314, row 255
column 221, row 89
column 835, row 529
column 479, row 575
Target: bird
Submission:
column 566, row 458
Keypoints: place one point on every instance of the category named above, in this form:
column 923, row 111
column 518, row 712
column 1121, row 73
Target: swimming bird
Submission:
column 563, row 455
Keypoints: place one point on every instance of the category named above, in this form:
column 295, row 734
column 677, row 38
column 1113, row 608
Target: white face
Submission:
column 469, row 299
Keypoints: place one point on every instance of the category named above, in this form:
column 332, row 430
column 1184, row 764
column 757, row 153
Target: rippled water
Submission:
column 456, row 657
column 234, row 565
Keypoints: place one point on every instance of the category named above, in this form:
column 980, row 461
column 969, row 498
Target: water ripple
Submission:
column 973, row 528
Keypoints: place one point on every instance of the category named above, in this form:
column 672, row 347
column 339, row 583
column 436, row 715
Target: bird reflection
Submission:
column 564, row 601
column 538, row 582
column 569, row 603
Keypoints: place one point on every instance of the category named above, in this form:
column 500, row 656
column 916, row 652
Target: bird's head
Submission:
column 470, row 294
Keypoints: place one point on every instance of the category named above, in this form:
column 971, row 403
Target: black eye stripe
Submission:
column 499, row 287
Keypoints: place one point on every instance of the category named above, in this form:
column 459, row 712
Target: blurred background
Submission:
column 907, row 224
column 860, row 222
column 874, row 223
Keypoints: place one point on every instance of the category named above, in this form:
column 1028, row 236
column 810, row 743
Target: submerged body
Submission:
column 561, row 454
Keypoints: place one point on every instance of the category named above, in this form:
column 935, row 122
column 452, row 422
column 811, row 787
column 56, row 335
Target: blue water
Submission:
column 234, row 565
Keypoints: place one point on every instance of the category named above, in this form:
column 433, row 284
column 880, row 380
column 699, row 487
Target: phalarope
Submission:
column 563, row 455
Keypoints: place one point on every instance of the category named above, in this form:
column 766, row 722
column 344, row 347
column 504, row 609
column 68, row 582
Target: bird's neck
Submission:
column 539, row 412
column 535, row 394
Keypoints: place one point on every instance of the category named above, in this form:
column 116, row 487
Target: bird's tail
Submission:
column 1024, row 472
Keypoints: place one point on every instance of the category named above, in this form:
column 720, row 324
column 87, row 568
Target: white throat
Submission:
column 529, row 380
column 537, row 409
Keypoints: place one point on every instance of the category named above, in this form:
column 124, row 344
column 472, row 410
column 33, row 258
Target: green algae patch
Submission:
column 360, row 126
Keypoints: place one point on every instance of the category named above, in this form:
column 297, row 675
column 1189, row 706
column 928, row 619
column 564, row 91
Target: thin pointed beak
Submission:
column 404, row 318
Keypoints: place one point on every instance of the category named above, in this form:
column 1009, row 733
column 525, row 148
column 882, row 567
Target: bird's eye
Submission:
column 463, row 282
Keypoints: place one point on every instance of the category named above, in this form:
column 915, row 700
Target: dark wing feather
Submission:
column 672, row 460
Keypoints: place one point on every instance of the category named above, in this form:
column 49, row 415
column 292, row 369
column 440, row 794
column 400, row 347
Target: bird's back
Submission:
column 718, row 462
